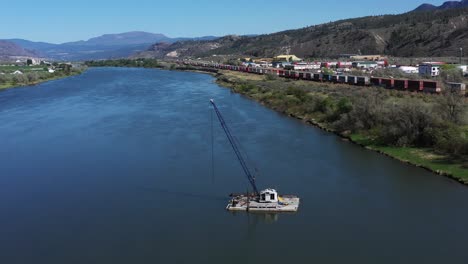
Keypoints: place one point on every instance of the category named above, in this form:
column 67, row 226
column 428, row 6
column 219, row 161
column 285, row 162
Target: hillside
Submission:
column 10, row 49
column 430, row 33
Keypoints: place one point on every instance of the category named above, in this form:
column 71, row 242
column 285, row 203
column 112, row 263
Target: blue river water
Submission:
column 115, row 166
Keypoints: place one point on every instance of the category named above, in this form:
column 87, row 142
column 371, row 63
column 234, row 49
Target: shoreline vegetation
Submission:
column 409, row 127
column 428, row 131
column 30, row 78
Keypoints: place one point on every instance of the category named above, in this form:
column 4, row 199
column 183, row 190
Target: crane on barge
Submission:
column 249, row 175
column 266, row 200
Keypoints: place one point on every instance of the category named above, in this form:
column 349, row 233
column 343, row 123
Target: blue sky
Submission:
column 62, row 21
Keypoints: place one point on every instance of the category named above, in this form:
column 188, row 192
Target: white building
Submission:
column 464, row 68
column 409, row 69
column 429, row 70
column 365, row 64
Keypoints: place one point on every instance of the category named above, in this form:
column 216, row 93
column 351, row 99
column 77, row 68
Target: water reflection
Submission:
column 255, row 218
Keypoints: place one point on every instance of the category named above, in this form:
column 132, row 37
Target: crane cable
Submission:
column 212, row 148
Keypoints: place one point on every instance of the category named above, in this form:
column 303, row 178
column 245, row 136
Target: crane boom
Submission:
column 236, row 149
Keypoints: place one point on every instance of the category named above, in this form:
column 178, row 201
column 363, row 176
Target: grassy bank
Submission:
column 415, row 128
column 44, row 77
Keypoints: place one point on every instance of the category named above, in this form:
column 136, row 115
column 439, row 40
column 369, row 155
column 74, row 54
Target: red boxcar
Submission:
column 376, row 81
column 388, row 83
column 431, row 87
column 415, row 85
column 401, row 84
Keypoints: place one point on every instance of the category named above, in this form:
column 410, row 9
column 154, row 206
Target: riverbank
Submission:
column 295, row 98
column 9, row 85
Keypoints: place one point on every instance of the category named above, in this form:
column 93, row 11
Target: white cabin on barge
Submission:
column 268, row 200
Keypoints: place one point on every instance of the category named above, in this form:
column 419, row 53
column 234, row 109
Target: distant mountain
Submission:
column 446, row 5
column 122, row 39
column 413, row 34
column 10, row 49
column 108, row 46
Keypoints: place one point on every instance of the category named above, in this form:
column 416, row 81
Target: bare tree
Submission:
column 453, row 106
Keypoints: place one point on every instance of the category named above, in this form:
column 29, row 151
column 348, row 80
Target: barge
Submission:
column 267, row 200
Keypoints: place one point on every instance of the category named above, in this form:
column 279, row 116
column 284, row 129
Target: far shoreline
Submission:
column 13, row 86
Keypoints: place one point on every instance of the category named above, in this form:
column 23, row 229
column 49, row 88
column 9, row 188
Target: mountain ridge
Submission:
column 445, row 5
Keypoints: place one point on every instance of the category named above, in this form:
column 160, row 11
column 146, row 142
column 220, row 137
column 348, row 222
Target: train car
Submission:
column 335, row 78
column 388, row 83
column 308, row 76
column 271, row 71
column 415, row 85
column 330, row 64
column 343, row 78
column 301, row 75
column 326, row 77
column 401, row 84
column 282, row 73
column 352, row 80
column 455, row 87
column 317, row 77
column 363, row 81
column 433, row 87
column 344, row 64
column 376, row 81
column 293, row 75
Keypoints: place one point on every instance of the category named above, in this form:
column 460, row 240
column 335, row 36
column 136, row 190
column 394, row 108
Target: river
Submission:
column 114, row 166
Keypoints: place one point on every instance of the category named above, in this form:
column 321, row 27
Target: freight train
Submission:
column 427, row 86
